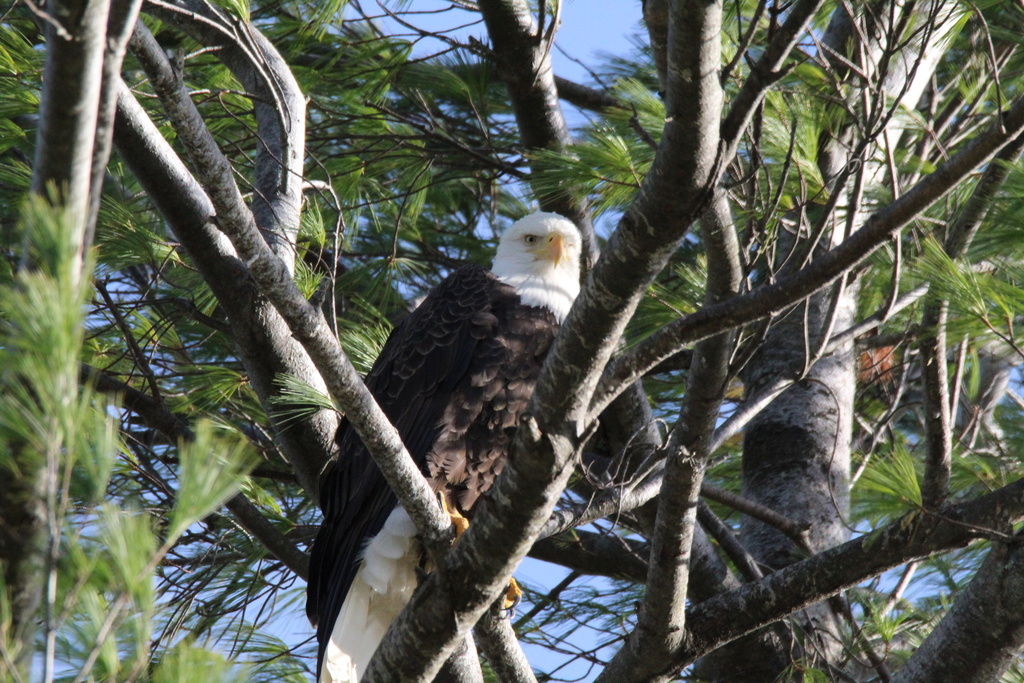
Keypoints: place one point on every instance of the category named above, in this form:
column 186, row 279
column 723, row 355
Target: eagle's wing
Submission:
column 426, row 357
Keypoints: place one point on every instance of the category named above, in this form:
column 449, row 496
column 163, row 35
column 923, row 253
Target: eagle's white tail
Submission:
column 382, row 587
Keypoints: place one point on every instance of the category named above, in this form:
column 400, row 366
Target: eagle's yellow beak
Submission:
column 554, row 250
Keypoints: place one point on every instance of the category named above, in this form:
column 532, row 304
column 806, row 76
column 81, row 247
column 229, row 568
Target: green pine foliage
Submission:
column 414, row 165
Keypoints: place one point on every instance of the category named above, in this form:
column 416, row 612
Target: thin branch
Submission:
column 937, row 404
column 740, row 556
column 584, row 97
column 938, row 457
column 795, row 530
column 595, row 554
column 264, row 341
column 765, row 72
column 155, row 414
column 787, row 290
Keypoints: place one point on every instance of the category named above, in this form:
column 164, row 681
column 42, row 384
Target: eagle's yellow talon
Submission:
column 513, row 596
column 460, row 523
column 458, row 520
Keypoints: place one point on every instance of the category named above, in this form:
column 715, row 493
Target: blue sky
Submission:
column 588, row 27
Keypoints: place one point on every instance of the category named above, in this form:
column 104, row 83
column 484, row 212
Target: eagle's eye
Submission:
column 530, row 239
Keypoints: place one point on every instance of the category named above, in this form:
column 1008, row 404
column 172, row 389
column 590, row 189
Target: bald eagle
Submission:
column 453, row 378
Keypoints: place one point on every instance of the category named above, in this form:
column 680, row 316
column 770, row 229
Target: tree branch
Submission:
column 264, row 341
column 69, row 108
column 765, row 72
column 154, row 414
column 980, row 637
column 597, row 554
column 30, row 537
column 770, row 299
column 937, row 405
column 583, row 97
column 524, row 62
column 279, row 108
column 273, row 277
column 497, row 641
column 120, row 22
column 725, row 617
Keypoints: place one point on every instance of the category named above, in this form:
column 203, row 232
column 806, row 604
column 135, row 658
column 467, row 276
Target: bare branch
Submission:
column 583, row 97
column 765, row 72
column 938, row 457
column 598, row 554
column 120, row 22
column 937, row 404
column 769, row 299
column 918, row 534
column 979, row 637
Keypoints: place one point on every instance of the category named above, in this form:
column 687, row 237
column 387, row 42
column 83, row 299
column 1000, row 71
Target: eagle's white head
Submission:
column 539, row 255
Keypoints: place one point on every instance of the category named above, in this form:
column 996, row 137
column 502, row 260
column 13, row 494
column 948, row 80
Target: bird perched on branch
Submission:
column 454, row 378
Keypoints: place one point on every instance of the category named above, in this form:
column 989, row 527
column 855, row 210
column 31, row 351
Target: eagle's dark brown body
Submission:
column 454, row 378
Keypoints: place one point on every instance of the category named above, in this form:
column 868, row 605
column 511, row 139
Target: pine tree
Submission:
column 781, row 424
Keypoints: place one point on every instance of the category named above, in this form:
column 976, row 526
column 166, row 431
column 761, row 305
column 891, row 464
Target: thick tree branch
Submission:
column 723, row 618
column 596, row 554
column 660, row 623
column 524, row 62
column 497, row 640
column 273, row 277
column 69, row 108
column 982, row 635
column 30, row 532
column 263, row 339
column 279, row 108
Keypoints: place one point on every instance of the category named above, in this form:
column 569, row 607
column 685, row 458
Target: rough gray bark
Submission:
column 69, row 109
column 796, row 453
column 497, row 641
column 661, row 620
column 723, row 618
column 306, row 322
column 983, row 633
column 796, row 456
column 264, row 342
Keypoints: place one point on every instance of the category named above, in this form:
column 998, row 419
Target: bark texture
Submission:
column 983, row 633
